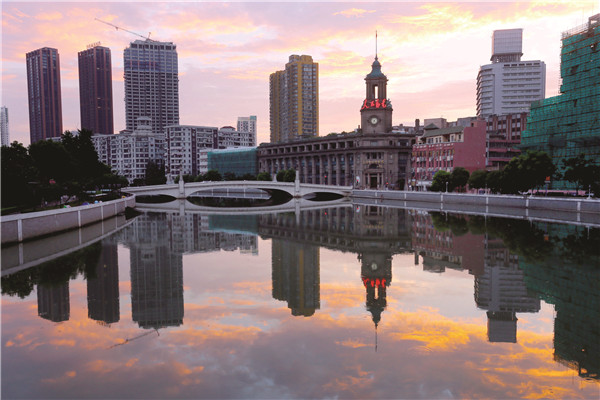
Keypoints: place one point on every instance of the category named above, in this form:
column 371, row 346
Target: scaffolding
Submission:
column 567, row 125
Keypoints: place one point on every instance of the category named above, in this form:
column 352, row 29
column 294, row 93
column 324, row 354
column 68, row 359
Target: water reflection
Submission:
column 515, row 266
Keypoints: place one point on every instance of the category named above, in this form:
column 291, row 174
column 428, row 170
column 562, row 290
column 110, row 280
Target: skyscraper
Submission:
column 4, row 126
column 509, row 85
column 151, row 84
column 95, row 89
column 43, row 90
column 294, row 100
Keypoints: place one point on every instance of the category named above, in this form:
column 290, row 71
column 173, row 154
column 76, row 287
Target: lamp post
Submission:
column 446, row 186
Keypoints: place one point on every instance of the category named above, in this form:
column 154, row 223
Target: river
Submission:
column 355, row 301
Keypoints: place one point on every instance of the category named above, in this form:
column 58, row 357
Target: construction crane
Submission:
column 133, row 33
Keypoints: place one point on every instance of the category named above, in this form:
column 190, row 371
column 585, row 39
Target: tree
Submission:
column 263, row 176
column 583, row 172
column 527, row 171
column 440, row 179
column 213, row 175
column 229, row 176
column 458, row 178
column 290, row 175
column 280, row 176
column 477, row 180
column 248, row 177
column 51, row 160
column 17, row 171
column 155, row 174
column 494, row 180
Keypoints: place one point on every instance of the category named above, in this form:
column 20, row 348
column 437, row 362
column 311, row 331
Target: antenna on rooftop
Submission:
column 123, row 29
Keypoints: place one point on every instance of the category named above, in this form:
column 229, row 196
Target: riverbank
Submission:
column 557, row 209
column 21, row 227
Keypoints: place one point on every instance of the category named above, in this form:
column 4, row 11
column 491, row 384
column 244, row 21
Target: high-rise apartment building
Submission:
column 247, row 124
column 567, row 125
column 43, row 91
column 151, row 84
column 294, row 100
column 95, row 89
column 4, row 126
column 509, row 85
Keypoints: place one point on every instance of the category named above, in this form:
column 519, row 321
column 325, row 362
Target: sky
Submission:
column 430, row 51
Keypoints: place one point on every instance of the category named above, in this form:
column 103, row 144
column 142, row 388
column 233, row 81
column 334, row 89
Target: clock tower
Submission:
column 376, row 110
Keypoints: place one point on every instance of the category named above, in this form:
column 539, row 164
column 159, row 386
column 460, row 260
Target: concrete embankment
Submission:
column 21, row 227
column 570, row 210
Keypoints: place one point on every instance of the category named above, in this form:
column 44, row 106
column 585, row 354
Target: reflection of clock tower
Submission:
column 376, row 110
column 376, row 274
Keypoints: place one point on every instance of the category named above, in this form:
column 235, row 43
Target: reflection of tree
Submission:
column 457, row 224
column 53, row 273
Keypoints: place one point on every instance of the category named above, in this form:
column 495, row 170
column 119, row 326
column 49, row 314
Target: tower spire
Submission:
column 376, row 44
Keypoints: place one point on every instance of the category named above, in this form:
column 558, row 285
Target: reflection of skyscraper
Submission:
column 53, row 302
column 296, row 276
column 156, row 275
column 569, row 279
column 502, row 291
column 103, row 288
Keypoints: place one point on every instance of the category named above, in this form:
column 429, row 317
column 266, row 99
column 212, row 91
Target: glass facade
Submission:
column 236, row 161
column 567, row 125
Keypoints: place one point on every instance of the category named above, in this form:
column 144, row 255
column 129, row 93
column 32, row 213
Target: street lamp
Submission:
column 446, row 186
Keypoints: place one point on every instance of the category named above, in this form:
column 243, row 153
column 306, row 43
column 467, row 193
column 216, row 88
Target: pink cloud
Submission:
column 354, row 12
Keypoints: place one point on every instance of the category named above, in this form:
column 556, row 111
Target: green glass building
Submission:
column 239, row 161
column 567, row 125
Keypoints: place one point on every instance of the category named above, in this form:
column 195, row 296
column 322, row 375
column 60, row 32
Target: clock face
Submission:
column 374, row 120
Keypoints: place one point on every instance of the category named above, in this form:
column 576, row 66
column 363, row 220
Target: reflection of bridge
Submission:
column 183, row 190
column 296, row 205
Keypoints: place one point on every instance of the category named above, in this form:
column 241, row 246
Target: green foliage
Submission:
column 583, row 172
column 248, row 177
column 290, row 175
column 229, row 176
column 439, row 181
column 477, row 180
column 51, row 160
column 17, row 171
column 263, row 176
column 49, row 169
column 458, row 179
column 493, row 180
column 286, row 175
column 155, row 174
column 527, row 171
column 213, row 175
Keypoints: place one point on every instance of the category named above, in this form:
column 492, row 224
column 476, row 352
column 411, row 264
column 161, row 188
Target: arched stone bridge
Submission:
column 183, row 190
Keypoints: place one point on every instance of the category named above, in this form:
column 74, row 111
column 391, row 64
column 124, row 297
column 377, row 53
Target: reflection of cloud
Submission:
column 247, row 346
column 353, row 343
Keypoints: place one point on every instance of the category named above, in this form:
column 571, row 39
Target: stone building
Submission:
column 375, row 157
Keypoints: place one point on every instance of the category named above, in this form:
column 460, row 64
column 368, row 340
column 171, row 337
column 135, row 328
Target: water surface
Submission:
column 346, row 302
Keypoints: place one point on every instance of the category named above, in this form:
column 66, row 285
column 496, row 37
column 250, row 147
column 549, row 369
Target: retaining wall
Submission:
column 575, row 210
column 21, row 227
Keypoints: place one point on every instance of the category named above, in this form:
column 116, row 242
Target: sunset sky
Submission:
column 430, row 52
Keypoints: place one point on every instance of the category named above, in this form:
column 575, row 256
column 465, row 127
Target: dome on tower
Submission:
column 376, row 70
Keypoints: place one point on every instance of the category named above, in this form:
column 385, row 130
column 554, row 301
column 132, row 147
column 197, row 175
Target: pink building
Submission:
column 447, row 148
